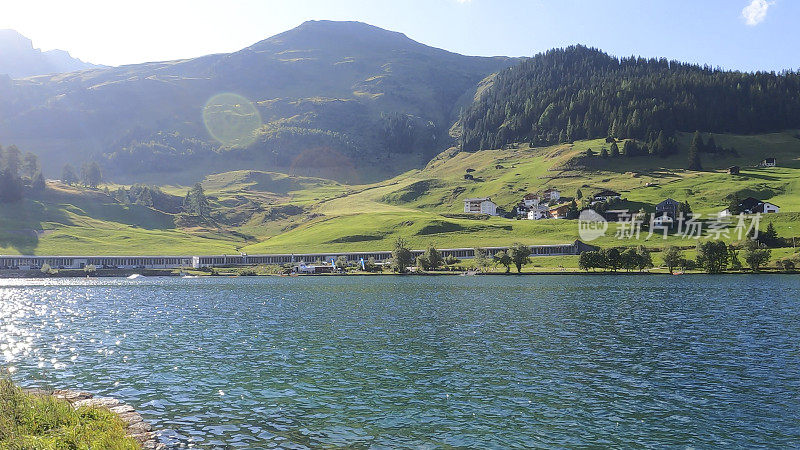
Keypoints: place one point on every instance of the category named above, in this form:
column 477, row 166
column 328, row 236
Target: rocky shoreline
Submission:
column 135, row 426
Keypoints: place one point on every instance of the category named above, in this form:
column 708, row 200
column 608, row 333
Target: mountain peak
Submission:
column 12, row 40
column 346, row 26
column 336, row 34
column 19, row 59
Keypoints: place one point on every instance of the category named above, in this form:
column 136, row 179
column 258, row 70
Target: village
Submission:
column 551, row 204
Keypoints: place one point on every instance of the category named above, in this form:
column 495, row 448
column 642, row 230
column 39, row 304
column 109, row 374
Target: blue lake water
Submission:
column 424, row 361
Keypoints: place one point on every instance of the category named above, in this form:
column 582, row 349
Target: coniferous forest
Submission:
column 579, row 92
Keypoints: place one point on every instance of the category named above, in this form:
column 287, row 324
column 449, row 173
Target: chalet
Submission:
column 531, row 200
column 551, row 195
column 483, row 205
column 560, row 212
column 606, row 195
column 769, row 162
column 767, row 208
column 668, row 207
column 752, row 205
column 734, row 170
column 538, row 214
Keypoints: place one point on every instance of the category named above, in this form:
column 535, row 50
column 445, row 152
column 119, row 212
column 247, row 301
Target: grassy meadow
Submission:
column 264, row 212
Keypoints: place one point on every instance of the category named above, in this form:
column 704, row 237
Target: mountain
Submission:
column 18, row 58
column 579, row 92
column 338, row 99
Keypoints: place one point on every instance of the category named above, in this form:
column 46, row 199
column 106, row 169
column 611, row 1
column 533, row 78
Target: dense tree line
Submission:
column 158, row 152
column 404, row 133
column 578, row 92
column 149, row 196
column 19, row 173
column 614, row 259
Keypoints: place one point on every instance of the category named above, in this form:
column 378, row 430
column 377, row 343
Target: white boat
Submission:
column 135, row 276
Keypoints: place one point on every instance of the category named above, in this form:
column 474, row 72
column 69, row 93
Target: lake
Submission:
column 545, row 361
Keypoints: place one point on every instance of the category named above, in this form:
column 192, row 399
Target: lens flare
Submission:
column 231, row 119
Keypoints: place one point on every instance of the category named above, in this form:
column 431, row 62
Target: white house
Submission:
column 531, row 200
column 769, row 162
column 752, row 205
column 768, row 208
column 539, row 214
column 480, row 206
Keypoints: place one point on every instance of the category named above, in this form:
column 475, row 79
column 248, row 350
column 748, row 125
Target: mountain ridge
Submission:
column 19, row 59
column 366, row 95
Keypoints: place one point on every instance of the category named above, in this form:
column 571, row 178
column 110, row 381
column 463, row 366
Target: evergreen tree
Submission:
column 604, row 153
column 659, row 146
column 68, row 175
column 196, row 202
column 711, row 145
column 769, row 237
column 30, row 165
column 630, row 149
column 91, row 175
column 685, row 209
column 697, row 142
column 12, row 160
column 694, row 153
column 10, row 186
column 614, row 150
column 38, row 184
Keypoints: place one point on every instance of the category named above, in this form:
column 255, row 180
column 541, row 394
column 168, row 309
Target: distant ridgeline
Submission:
column 578, row 92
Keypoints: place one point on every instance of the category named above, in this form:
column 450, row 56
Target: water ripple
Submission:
column 423, row 362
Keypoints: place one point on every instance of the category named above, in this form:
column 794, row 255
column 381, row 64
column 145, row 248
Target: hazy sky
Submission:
column 740, row 34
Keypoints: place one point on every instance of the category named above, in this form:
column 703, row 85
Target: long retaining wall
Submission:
column 177, row 262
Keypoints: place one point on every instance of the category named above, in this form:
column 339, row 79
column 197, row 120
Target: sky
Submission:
column 733, row 34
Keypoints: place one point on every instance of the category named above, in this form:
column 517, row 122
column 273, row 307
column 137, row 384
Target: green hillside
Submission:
column 263, row 212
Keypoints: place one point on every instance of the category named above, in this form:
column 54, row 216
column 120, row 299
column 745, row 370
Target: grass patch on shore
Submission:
column 29, row 421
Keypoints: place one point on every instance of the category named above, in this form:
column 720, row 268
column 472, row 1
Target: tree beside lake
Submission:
column 755, row 255
column 672, row 257
column 519, row 254
column 712, row 256
column 402, row 257
column 502, row 258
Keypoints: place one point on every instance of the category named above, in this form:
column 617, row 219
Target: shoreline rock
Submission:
column 135, row 426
